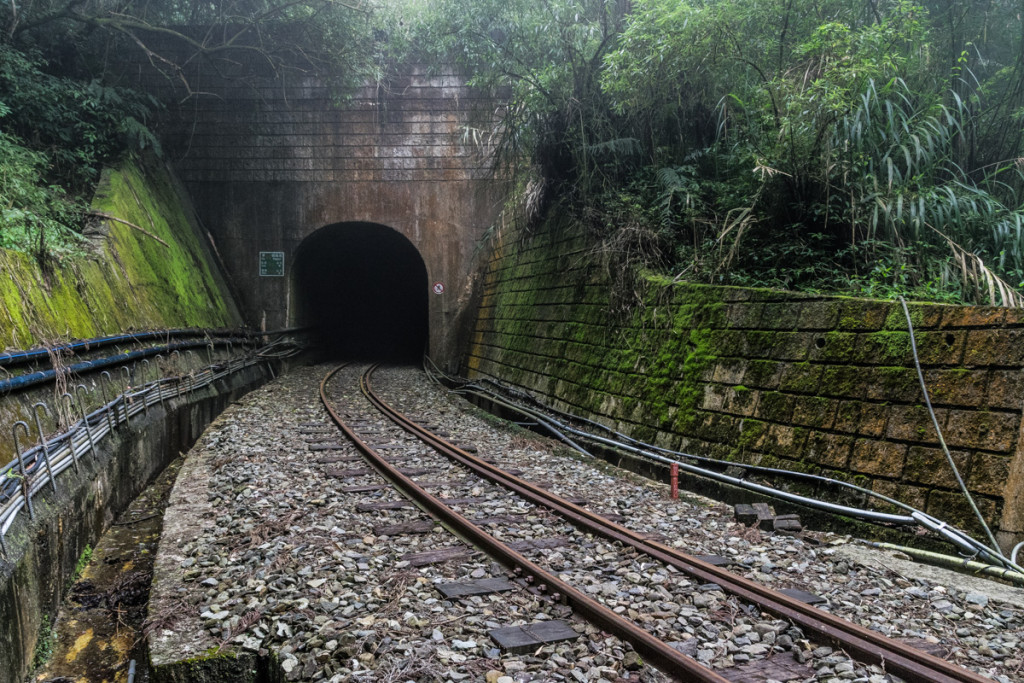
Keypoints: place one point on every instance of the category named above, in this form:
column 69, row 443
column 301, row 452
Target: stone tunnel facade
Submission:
column 268, row 163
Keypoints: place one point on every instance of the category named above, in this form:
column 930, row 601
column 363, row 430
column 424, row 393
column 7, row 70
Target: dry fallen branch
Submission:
column 147, row 233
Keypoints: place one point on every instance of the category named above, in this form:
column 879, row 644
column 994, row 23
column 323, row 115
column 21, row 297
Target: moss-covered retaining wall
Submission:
column 810, row 383
column 125, row 279
column 151, row 268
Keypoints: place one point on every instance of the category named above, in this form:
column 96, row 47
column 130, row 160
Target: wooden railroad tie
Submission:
column 780, row 667
column 347, row 474
column 803, row 596
column 371, row 506
column 538, row 544
column 424, row 527
column 459, row 589
column 364, row 489
column 416, row 471
column 528, row 637
column 436, row 556
column 332, row 459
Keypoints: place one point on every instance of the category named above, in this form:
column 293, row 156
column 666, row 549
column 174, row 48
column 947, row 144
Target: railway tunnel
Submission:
column 362, row 289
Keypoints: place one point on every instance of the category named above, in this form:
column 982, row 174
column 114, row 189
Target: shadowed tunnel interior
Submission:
column 362, row 287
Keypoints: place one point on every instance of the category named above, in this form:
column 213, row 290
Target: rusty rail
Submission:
column 863, row 644
column 670, row 660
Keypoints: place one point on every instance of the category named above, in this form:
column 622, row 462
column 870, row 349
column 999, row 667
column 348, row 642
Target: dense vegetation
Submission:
column 62, row 116
column 872, row 147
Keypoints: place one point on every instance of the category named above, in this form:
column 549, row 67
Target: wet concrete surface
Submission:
column 100, row 627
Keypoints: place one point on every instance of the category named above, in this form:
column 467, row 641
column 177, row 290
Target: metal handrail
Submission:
column 42, row 464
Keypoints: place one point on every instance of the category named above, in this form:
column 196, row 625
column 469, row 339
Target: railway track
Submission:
column 575, row 527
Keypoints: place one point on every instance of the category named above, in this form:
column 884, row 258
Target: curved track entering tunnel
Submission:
column 362, row 287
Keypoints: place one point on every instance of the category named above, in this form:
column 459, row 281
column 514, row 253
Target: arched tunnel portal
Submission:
column 363, row 289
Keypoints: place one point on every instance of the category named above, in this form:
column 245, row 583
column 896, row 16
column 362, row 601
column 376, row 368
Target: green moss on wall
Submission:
column 130, row 279
column 746, row 374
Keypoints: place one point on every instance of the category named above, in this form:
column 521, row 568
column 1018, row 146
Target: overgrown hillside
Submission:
column 64, row 116
column 870, row 147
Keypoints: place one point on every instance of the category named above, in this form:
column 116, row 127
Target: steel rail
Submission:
column 866, row 645
column 670, row 660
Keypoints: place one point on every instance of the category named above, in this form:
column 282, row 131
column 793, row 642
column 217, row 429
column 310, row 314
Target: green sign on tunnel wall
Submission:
column 271, row 263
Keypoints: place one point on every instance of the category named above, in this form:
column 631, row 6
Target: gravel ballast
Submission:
column 280, row 541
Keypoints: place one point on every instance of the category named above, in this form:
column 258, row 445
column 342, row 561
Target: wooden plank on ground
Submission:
column 538, row 544
column 370, row 506
column 364, row 489
column 803, row 596
column 436, row 556
column 790, row 523
column 716, row 560
column 760, row 514
column 782, row 666
column 499, row 519
column 404, row 528
column 332, row 459
column 935, row 649
column 345, row 474
column 528, row 637
column 459, row 589
column 328, row 447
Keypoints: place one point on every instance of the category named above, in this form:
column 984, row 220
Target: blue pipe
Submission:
column 17, row 357
column 31, row 379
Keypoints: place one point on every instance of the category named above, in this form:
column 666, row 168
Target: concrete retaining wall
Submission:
column 42, row 554
column 809, row 383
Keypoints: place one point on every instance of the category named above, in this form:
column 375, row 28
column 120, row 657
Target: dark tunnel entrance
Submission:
column 362, row 287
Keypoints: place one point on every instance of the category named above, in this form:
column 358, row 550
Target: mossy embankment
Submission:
column 126, row 278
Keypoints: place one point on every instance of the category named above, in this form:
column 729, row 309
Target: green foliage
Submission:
column 83, row 561
column 547, row 56
column 873, row 147
column 79, row 125
column 46, row 641
column 35, row 216
column 63, row 121
column 57, row 134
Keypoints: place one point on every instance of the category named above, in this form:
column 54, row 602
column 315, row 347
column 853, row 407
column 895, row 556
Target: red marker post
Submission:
column 674, row 479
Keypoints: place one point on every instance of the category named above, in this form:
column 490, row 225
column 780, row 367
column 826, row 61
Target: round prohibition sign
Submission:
column 438, row 287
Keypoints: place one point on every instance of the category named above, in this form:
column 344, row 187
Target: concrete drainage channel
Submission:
column 43, row 553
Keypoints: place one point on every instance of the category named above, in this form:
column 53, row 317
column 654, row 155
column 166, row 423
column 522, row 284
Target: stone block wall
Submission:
column 809, row 383
column 268, row 161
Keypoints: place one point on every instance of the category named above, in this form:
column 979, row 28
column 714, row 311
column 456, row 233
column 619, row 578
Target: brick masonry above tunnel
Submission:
column 268, row 164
